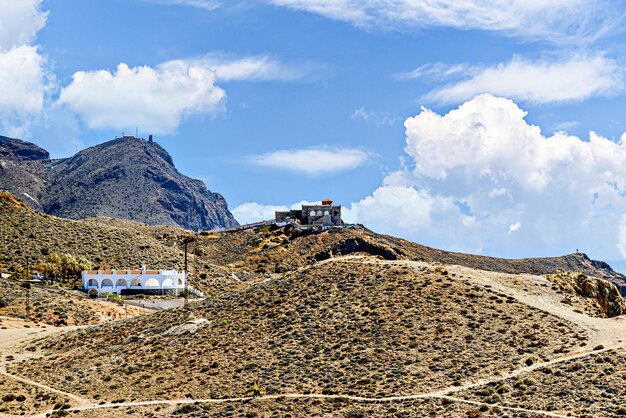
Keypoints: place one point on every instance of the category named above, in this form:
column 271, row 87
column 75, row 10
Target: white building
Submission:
column 153, row 282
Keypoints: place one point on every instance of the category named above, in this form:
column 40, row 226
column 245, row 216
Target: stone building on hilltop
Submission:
column 325, row 215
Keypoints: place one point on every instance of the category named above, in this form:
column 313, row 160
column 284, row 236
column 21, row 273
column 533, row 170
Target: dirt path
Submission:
column 534, row 291
column 360, row 399
column 13, row 342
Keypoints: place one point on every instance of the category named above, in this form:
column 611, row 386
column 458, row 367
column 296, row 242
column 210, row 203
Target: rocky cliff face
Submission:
column 606, row 294
column 126, row 178
column 23, row 169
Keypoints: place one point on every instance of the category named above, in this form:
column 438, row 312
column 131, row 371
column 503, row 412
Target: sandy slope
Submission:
column 531, row 290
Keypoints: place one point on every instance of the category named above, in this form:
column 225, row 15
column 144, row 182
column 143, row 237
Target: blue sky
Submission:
column 462, row 124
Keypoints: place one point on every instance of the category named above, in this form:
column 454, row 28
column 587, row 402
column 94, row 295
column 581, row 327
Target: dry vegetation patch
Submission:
column 57, row 306
column 339, row 328
column 596, row 297
column 592, row 386
column 336, row 408
column 17, row 398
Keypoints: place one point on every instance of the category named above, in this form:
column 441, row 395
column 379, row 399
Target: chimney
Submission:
column 327, row 202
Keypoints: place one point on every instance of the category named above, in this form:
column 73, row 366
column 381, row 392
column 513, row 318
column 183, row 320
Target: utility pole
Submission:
column 185, row 272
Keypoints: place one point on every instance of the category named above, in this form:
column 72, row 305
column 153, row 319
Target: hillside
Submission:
column 221, row 259
column 360, row 335
column 345, row 322
column 128, row 178
column 56, row 306
column 23, row 169
column 371, row 329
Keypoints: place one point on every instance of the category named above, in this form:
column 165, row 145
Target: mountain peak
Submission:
column 129, row 178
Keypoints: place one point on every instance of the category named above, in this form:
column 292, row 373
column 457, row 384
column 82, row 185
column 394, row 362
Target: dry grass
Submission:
column 20, row 399
column 593, row 386
column 340, row 328
column 58, row 306
column 336, row 408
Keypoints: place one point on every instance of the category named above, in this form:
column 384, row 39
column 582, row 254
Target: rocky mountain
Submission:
column 23, row 169
column 128, row 178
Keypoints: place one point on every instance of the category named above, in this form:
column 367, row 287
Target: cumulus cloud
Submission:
column 313, row 161
column 160, row 97
column 250, row 212
column 376, row 118
column 567, row 192
column 20, row 21
column 555, row 20
column 570, row 78
column 25, row 79
column 157, row 98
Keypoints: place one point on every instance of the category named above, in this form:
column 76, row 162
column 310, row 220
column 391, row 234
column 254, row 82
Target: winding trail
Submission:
column 534, row 291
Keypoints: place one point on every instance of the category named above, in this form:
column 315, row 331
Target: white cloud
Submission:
column 566, row 192
column 313, row 161
column 554, row 20
column 254, row 68
column 199, row 4
column 154, row 98
column 621, row 241
column 378, row 119
column 514, row 227
column 25, row 79
column 159, row 98
column 20, row 20
column 575, row 77
column 250, row 212
column 437, row 70
column 22, row 81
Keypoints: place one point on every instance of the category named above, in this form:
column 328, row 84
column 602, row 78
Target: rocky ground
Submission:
column 592, row 386
column 367, row 329
column 58, row 306
column 342, row 408
column 348, row 337
column 229, row 260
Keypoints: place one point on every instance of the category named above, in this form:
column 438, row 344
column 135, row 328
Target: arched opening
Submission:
column 326, row 213
column 167, row 283
column 152, row 282
column 336, row 213
column 121, row 283
column 107, row 283
column 319, row 213
column 92, row 283
column 93, row 293
column 312, row 213
column 135, row 283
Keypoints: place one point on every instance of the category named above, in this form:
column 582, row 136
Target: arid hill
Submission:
column 23, row 169
column 344, row 322
column 219, row 259
column 350, row 336
column 127, row 178
column 361, row 328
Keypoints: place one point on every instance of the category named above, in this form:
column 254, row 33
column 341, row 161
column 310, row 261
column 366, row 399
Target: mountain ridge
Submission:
column 127, row 178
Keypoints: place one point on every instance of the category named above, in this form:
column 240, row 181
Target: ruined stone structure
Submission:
column 325, row 215
column 124, row 282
